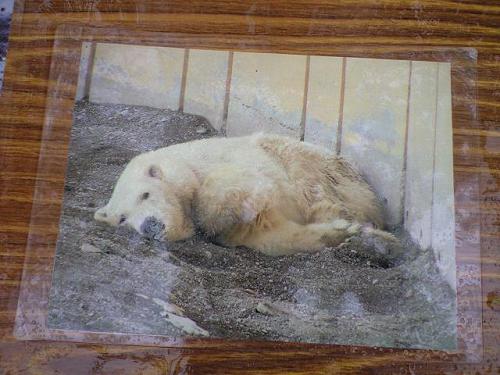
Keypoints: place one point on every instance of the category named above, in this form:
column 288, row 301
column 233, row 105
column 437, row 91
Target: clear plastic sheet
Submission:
column 79, row 49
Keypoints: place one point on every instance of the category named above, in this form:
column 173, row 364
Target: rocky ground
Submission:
column 113, row 280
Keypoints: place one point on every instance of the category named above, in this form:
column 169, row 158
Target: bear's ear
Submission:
column 155, row 172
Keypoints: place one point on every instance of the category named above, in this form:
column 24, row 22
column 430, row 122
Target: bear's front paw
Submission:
column 350, row 227
column 153, row 229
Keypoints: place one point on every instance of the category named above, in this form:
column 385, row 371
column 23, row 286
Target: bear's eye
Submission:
column 122, row 219
column 145, row 196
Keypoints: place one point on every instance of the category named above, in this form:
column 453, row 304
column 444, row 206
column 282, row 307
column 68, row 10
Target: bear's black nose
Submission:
column 152, row 228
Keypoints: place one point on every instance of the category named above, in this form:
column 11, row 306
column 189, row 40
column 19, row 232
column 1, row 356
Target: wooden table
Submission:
column 381, row 27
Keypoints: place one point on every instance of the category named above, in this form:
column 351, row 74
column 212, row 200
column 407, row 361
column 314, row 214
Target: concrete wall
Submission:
column 392, row 118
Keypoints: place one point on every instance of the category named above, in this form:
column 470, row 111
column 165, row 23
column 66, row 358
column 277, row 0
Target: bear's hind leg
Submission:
column 278, row 236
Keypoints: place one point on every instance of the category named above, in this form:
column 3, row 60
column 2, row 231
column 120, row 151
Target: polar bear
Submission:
column 267, row 192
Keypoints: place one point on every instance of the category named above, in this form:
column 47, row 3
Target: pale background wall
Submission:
column 391, row 117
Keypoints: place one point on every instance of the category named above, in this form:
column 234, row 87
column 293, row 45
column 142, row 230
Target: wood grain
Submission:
column 430, row 29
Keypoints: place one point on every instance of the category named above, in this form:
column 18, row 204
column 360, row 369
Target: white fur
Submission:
column 267, row 192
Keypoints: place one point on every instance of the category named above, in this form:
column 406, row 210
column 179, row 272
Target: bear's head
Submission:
column 154, row 201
